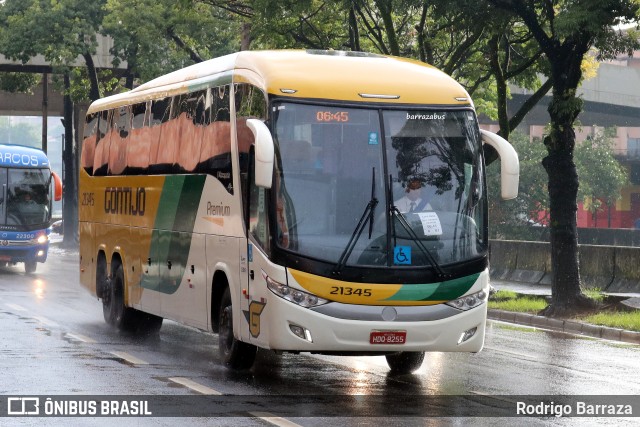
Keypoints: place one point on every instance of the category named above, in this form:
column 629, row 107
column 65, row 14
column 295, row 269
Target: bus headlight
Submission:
column 40, row 240
column 470, row 301
column 303, row 299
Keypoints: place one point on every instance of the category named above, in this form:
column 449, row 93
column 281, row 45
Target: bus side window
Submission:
column 215, row 152
column 167, row 157
column 119, row 137
column 192, row 129
column 139, row 141
column 89, row 140
column 160, row 112
column 101, row 154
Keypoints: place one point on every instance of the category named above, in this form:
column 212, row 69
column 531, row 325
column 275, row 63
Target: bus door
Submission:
column 258, row 264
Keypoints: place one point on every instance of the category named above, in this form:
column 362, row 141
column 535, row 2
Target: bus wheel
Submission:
column 30, row 266
column 405, row 362
column 235, row 354
column 113, row 308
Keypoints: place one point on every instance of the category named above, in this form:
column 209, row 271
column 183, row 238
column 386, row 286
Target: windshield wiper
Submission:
column 367, row 216
column 394, row 213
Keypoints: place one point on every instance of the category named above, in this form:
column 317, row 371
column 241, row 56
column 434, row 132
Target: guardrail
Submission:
column 614, row 269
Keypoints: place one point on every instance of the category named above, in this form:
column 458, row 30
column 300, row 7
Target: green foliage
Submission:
column 60, row 30
column 19, row 82
column 503, row 295
column 595, row 294
column 523, row 304
column 513, row 219
column 312, row 24
column 629, row 321
column 80, row 84
column 158, row 36
column 601, row 178
column 601, row 175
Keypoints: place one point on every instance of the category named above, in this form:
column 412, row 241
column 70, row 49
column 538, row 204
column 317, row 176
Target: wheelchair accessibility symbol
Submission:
column 402, row 255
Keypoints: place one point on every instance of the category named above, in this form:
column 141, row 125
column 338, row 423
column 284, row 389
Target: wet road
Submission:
column 53, row 341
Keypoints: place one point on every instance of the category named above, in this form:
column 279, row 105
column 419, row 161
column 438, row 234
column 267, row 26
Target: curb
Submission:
column 568, row 326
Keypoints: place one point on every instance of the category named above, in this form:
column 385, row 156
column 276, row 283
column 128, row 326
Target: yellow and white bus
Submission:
column 300, row 201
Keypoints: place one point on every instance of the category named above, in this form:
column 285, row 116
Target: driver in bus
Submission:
column 413, row 199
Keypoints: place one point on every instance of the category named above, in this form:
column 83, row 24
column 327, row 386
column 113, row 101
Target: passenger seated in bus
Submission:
column 413, row 199
column 24, row 210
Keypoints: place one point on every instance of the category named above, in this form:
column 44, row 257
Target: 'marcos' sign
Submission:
column 18, row 156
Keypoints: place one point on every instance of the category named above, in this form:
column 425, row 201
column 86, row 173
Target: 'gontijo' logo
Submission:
column 125, row 200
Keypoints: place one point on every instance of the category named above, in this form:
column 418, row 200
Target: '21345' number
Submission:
column 340, row 290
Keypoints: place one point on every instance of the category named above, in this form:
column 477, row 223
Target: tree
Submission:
column 566, row 30
column 158, row 36
column 602, row 178
column 61, row 31
column 601, row 175
column 509, row 219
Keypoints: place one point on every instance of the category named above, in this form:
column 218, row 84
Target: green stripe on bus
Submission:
column 171, row 239
column 443, row 291
column 168, row 205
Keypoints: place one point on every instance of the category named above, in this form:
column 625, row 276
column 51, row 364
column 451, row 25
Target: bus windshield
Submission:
column 379, row 187
column 25, row 199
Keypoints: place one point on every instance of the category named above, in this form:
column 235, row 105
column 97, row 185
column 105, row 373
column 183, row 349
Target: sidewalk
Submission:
column 568, row 326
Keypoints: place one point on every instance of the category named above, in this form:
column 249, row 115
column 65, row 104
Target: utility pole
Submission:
column 69, row 196
column 45, row 110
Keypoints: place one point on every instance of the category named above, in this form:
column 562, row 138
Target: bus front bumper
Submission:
column 24, row 254
column 289, row 327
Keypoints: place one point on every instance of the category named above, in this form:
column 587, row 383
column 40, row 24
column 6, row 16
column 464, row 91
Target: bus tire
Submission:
column 405, row 362
column 235, row 354
column 113, row 308
column 30, row 266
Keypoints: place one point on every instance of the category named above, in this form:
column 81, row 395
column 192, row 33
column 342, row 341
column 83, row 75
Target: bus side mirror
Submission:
column 263, row 152
column 509, row 164
column 57, row 187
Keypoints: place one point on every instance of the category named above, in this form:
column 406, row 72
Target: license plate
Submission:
column 5, row 258
column 388, row 337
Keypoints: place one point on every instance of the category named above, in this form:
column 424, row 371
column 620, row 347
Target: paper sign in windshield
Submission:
column 430, row 223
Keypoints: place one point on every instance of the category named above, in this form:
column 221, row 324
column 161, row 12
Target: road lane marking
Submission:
column 129, row 358
column 45, row 321
column 195, row 386
column 272, row 419
column 78, row 337
column 15, row 307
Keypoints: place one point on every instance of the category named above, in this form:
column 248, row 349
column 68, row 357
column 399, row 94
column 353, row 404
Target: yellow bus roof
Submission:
column 334, row 75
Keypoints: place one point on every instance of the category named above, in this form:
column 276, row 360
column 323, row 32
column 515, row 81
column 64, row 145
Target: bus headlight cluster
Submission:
column 468, row 302
column 296, row 296
column 41, row 239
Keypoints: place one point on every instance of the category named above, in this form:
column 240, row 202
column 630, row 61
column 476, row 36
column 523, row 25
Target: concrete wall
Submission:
column 610, row 268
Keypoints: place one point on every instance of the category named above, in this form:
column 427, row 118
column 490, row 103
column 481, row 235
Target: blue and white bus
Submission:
column 28, row 187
